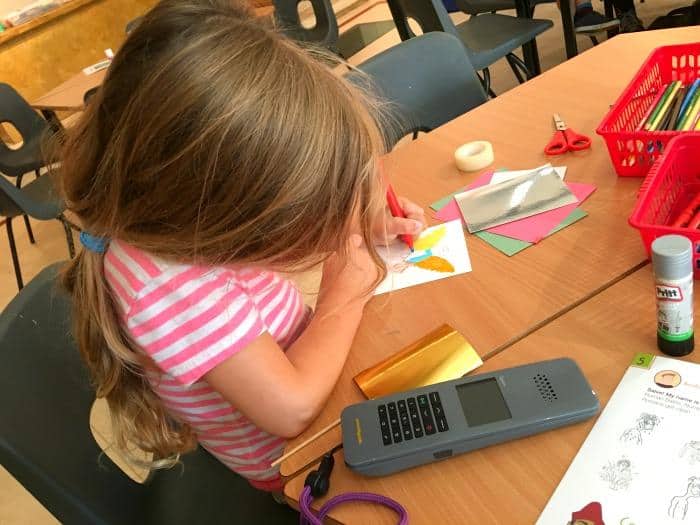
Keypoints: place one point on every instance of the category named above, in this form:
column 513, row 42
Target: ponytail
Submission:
column 117, row 369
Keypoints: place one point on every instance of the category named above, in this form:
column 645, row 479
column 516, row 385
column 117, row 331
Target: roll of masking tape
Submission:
column 474, row 156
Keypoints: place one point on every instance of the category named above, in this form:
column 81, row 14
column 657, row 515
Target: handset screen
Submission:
column 483, row 402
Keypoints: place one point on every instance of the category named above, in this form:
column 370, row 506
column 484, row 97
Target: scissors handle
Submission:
column 557, row 145
column 576, row 141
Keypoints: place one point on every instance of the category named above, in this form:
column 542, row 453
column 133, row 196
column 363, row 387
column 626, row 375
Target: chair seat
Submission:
column 475, row 7
column 491, row 37
column 27, row 158
column 38, row 199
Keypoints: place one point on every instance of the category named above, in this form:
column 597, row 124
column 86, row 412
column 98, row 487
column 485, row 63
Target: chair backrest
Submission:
column 87, row 97
column 45, row 402
column 17, row 111
column 323, row 33
column 428, row 81
column 46, row 443
column 431, row 15
column 131, row 24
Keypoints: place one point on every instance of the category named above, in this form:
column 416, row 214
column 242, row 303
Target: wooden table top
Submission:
column 512, row 482
column 69, row 96
column 504, row 299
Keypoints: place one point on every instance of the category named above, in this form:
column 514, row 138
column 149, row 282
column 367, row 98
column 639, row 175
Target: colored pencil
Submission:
column 684, row 117
column 652, row 107
column 670, row 121
column 656, row 121
column 691, row 113
column 688, row 99
column 687, row 214
column 658, row 107
column 694, row 222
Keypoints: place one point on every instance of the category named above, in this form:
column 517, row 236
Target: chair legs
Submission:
column 520, row 70
column 30, row 233
column 13, row 252
column 518, row 67
column 67, row 227
column 486, row 82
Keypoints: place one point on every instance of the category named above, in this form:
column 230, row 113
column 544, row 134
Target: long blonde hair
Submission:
column 212, row 141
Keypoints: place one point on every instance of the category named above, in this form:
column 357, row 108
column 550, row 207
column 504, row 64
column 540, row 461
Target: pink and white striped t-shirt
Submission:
column 189, row 319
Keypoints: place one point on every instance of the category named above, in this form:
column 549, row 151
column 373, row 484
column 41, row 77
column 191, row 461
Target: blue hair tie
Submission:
column 93, row 243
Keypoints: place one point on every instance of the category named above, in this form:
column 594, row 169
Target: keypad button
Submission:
column 425, row 415
column 415, row 418
column 438, row 412
column 405, row 426
column 422, row 400
column 386, row 437
column 384, row 425
column 394, row 423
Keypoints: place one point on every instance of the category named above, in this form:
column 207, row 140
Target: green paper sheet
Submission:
column 441, row 203
column 511, row 246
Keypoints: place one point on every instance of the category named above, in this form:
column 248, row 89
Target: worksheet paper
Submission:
column 641, row 460
column 440, row 252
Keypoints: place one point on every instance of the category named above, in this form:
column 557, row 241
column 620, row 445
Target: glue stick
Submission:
column 672, row 259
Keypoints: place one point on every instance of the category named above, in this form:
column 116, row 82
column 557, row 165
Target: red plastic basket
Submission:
column 668, row 189
column 633, row 152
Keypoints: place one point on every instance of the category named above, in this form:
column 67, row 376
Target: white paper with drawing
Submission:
column 440, row 252
column 641, row 461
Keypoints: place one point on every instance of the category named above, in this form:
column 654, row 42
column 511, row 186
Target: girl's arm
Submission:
column 283, row 392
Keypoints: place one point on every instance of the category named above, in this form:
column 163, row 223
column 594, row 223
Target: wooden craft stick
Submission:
column 305, row 443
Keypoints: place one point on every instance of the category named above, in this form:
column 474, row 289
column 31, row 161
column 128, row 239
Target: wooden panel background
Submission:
column 39, row 60
column 10, row 5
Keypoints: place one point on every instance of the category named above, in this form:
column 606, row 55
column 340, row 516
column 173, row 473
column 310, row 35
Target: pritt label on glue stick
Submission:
column 672, row 258
column 675, row 308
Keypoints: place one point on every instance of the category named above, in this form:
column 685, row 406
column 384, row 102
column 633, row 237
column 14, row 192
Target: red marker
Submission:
column 396, row 211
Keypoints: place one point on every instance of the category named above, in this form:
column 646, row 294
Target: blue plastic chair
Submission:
column 427, row 80
column 487, row 37
column 46, row 443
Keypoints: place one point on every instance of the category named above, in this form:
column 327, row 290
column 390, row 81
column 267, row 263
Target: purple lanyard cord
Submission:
column 306, row 516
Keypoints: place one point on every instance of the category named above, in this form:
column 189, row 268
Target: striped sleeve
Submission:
column 191, row 321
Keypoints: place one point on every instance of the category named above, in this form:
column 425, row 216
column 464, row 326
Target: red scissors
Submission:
column 565, row 139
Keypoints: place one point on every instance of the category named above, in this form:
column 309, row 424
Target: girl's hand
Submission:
column 348, row 281
column 387, row 228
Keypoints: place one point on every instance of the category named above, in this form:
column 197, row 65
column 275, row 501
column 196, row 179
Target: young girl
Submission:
column 215, row 154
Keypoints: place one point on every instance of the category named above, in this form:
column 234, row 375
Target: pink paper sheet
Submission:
column 530, row 229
